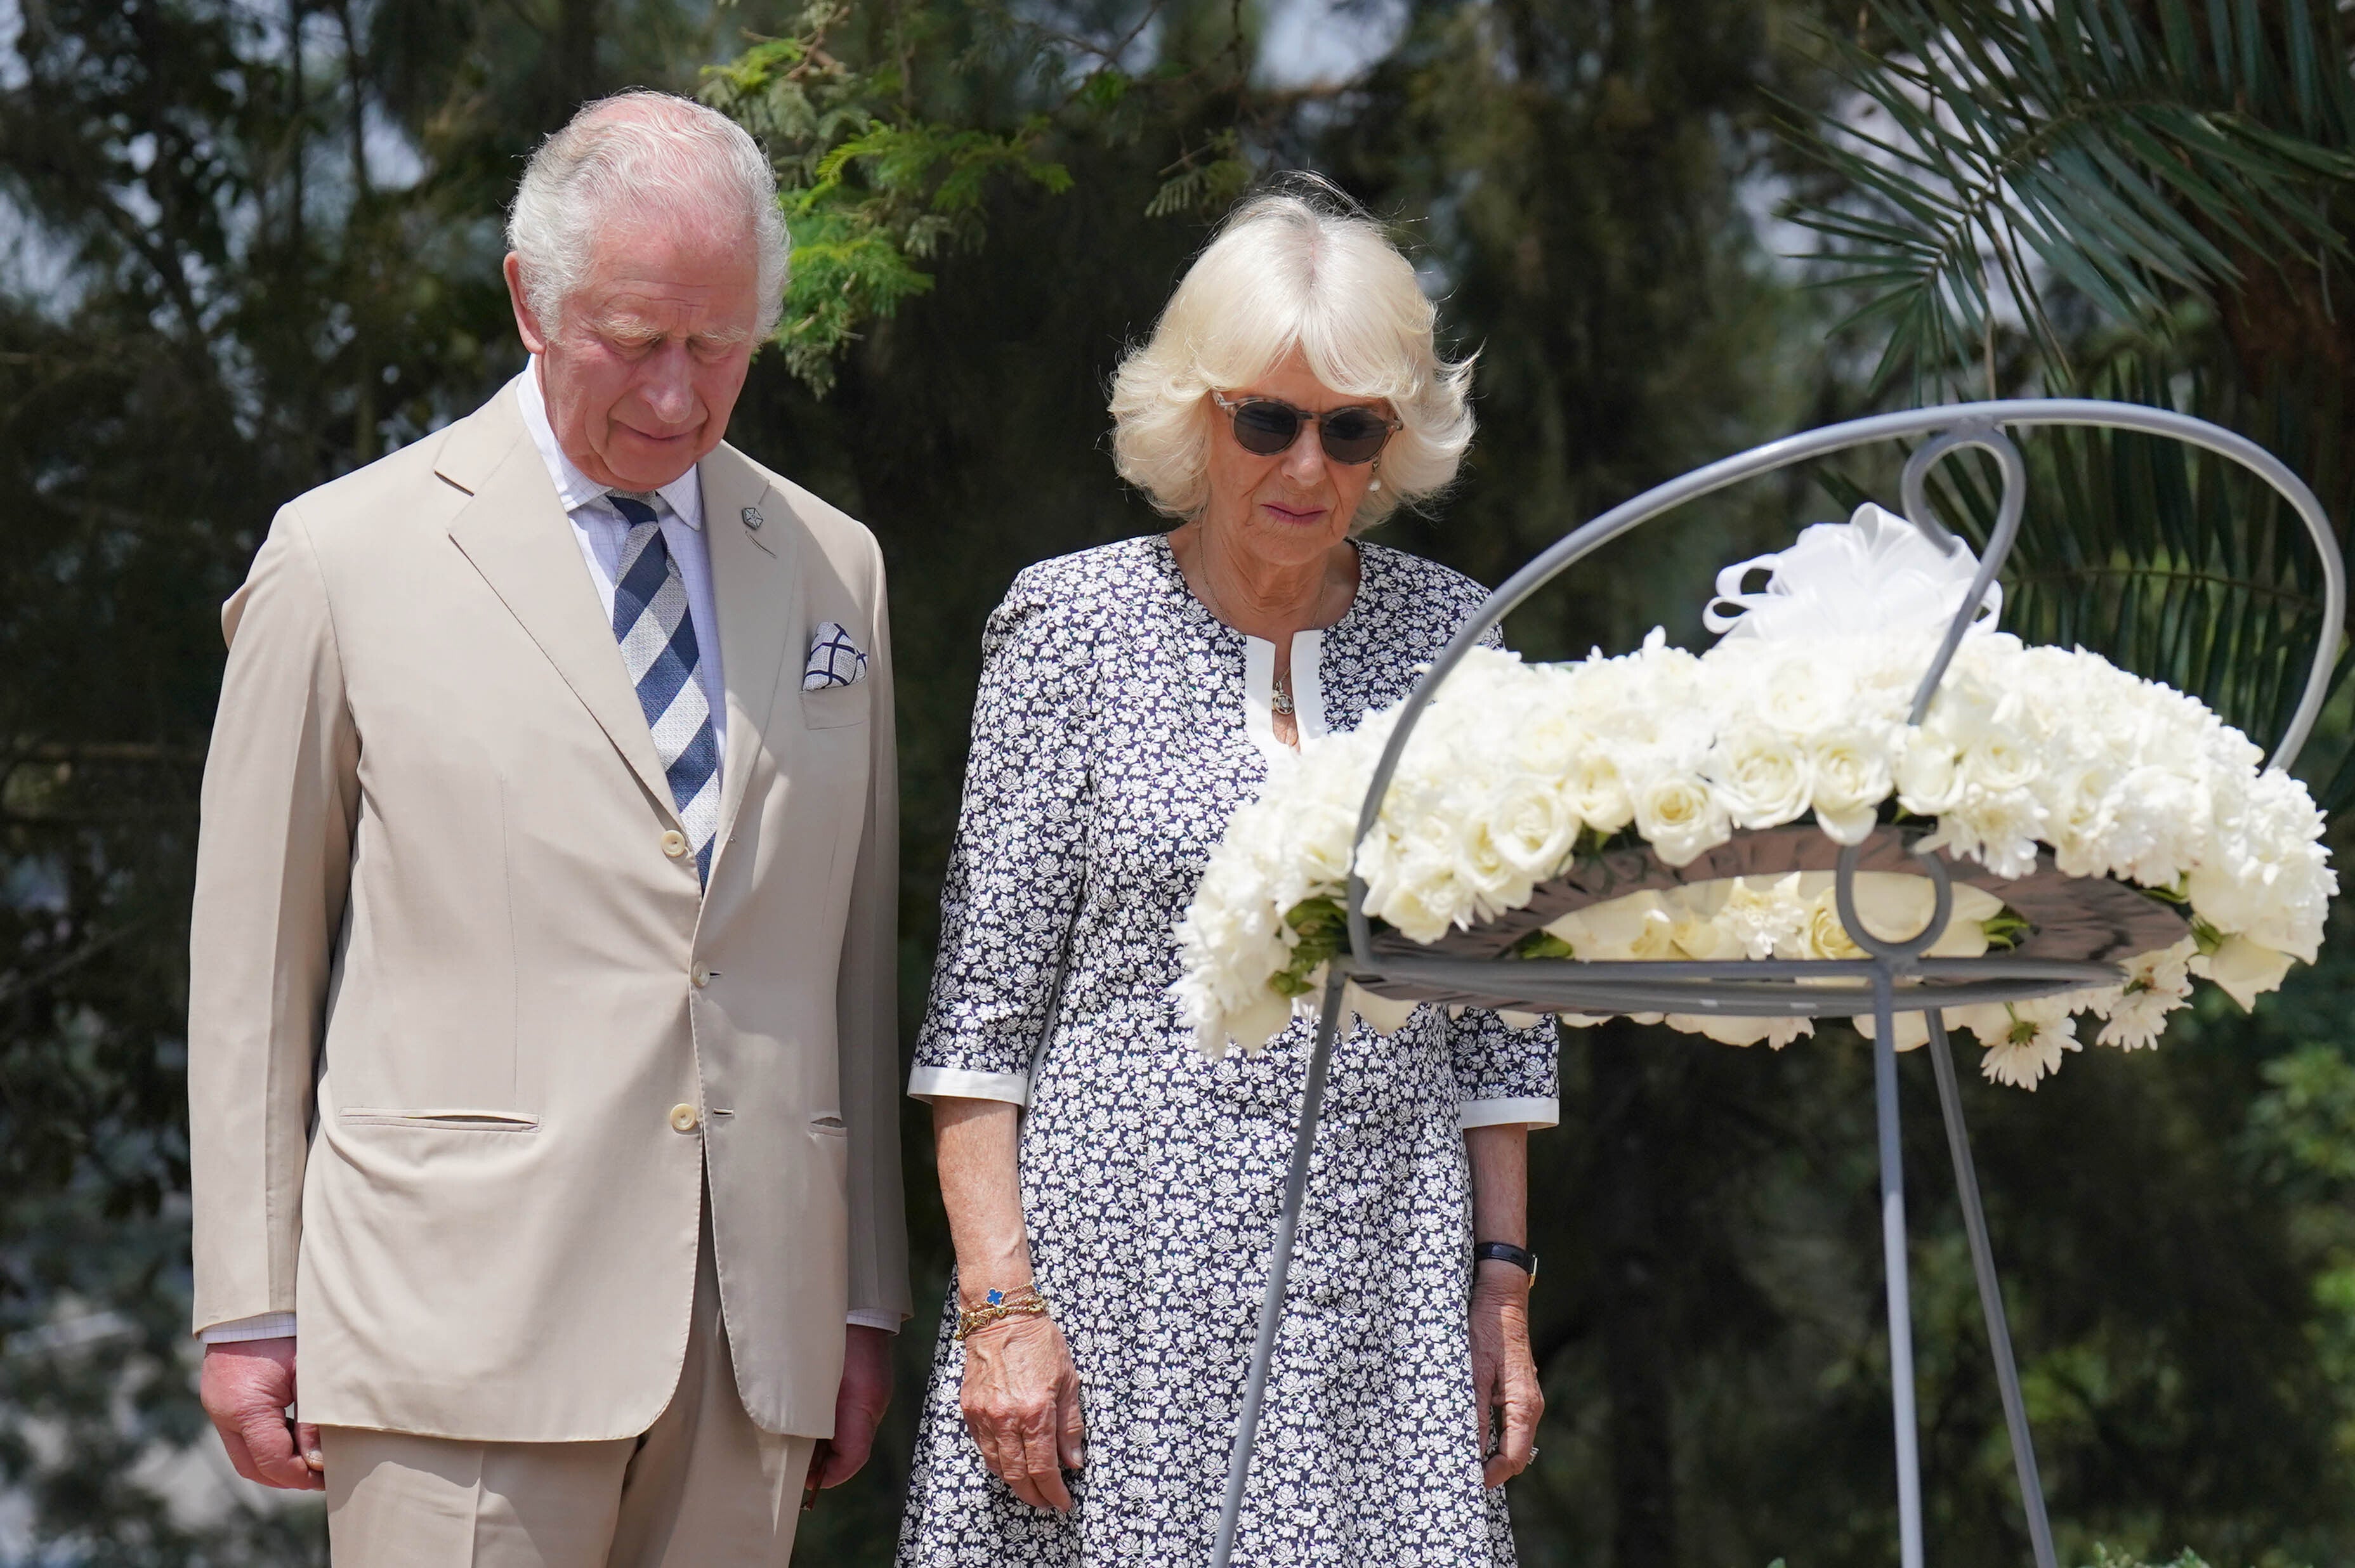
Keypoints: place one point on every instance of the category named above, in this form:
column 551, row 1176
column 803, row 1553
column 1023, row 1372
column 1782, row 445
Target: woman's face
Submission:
column 1291, row 508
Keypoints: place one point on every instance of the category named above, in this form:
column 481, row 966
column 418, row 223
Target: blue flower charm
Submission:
column 996, row 1298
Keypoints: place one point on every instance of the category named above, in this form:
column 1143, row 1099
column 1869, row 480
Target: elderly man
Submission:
column 542, row 1058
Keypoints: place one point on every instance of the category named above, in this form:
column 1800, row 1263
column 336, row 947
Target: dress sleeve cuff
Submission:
column 929, row 1084
column 869, row 1318
column 1537, row 1112
column 238, row 1330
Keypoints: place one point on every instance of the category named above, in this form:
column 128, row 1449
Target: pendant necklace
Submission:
column 1281, row 701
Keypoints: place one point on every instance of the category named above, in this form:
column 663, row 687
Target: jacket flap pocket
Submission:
column 461, row 1119
column 830, row 706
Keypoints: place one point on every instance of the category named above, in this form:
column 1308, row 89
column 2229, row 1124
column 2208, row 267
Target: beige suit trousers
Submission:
column 702, row 1486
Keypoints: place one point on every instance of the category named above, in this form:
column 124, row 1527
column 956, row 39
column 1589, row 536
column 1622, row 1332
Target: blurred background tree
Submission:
column 250, row 246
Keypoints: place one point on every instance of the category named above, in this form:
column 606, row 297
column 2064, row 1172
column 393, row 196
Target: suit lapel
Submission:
column 753, row 577
column 515, row 532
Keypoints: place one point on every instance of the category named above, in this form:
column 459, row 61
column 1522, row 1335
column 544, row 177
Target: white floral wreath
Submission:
column 1800, row 709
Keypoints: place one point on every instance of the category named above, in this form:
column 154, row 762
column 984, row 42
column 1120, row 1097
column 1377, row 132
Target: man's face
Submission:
column 641, row 367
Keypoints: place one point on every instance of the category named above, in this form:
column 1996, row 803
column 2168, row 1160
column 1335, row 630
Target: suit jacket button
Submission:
column 683, row 1119
column 674, row 843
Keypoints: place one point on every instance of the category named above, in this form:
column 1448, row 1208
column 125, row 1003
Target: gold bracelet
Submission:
column 997, row 1307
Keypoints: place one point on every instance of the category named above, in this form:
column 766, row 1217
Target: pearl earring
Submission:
column 1377, row 481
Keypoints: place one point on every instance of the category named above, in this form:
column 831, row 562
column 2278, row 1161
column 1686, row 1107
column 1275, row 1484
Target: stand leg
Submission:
column 2006, row 1372
column 1892, row 1250
column 1271, row 1308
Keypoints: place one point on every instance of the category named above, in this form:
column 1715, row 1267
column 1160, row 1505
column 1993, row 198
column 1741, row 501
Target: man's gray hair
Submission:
column 624, row 156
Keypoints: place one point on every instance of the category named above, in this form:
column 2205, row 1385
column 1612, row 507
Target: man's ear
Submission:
column 527, row 326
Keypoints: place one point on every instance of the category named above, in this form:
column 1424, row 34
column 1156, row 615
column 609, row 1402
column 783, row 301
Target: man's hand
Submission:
column 1504, row 1373
column 246, row 1388
column 859, row 1404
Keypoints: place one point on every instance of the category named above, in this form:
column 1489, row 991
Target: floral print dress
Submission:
column 1118, row 727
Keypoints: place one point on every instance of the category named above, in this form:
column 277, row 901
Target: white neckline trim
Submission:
column 1307, row 691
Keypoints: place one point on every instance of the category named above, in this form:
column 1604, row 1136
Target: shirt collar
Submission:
column 576, row 489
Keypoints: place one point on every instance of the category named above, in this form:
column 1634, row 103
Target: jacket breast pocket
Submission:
column 831, row 707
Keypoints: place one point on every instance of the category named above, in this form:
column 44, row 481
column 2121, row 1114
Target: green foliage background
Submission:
column 253, row 245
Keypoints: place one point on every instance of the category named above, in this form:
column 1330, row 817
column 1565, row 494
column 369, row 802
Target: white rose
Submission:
column 1321, row 832
column 2246, row 970
column 1250, row 1027
column 1988, row 1020
column 1775, row 1032
column 1850, row 774
column 1533, row 826
column 1896, row 907
column 1701, row 936
column 1928, row 775
column 1679, row 816
column 1913, row 1030
column 1482, row 868
column 1593, row 789
column 1825, row 935
column 1636, row 926
column 1414, row 889
column 1966, row 932
column 1762, row 776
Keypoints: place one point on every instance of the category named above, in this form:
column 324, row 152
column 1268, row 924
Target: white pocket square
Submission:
column 834, row 658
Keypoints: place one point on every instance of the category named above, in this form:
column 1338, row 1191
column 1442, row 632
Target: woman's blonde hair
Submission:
column 1299, row 267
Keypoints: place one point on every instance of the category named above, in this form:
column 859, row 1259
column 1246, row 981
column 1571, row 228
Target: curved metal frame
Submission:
column 1768, row 988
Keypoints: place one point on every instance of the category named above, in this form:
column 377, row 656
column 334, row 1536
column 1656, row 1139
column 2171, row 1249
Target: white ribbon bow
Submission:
column 1876, row 572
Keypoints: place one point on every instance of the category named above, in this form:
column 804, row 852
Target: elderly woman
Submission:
column 1111, row 1246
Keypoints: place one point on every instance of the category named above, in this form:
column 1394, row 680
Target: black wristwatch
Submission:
column 1520, row 1258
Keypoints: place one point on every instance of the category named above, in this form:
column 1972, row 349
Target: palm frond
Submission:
column 2134, row 155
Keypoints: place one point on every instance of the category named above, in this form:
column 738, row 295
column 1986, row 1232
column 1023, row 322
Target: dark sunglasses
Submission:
column 1268, row 426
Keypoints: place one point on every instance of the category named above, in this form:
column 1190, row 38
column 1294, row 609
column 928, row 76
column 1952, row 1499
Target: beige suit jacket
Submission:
column 447, row 988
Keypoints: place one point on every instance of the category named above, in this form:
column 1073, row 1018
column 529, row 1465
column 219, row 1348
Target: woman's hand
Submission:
column 1021, row 1402
column 1504, row 1373
column 1021, row 1393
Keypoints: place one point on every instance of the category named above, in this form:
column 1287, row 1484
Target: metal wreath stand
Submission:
column 1794, row 988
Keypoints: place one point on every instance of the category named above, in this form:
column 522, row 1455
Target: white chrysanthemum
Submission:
column 2157, row 984
column 2031, row 1047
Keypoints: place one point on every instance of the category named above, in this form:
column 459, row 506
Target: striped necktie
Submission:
column 657, row 638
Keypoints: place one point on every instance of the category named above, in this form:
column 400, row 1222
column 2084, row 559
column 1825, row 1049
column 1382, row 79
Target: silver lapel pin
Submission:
column 752, row 518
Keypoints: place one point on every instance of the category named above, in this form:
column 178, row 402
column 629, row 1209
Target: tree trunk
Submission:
column 1632, row 1300
column 573, row 57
